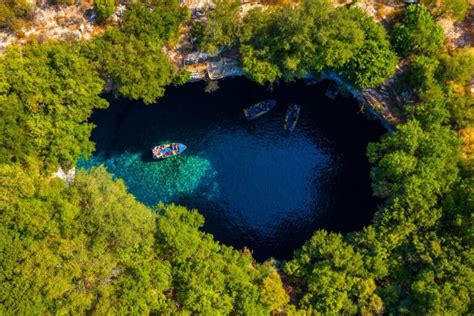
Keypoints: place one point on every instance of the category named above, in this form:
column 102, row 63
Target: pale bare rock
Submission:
column 66, row 176
column 458, row 34
column 54, row 22
column 215, row 69
column 379, row 10
column 71, row 23
column 198, row 4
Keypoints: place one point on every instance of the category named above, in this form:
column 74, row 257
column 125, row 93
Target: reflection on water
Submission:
column 256, row 185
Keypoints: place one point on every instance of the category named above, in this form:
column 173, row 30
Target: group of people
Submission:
column 164, row 151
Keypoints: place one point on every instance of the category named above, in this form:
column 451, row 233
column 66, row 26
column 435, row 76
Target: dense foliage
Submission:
column 221, row 28
column 93, row 247
column 313, row 38
column 47, row 94
column 288, row 41
column 456, row 9
column 104, row 9
column 14, row 13
column 417, row 33
column 90, row 248
column 132, row 56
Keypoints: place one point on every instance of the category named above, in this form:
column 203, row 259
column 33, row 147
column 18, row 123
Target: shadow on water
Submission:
column 257, row 185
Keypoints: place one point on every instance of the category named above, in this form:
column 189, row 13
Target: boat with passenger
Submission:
column 167, row 150
column 258, row 109
column 292, row 116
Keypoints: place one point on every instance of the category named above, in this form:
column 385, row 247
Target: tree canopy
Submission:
column 417, row 33
column 221, row 27
column 133, row 57
column 91, row 247
column 88, row 247
column 14, row 13
column 104, row 9
column 288, row 41
column 456, row 9
column 47, row 94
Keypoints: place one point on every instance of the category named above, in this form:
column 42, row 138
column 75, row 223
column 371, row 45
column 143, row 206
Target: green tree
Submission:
column 132, row 57
column 47, row 92
column 137, row 67
column 332, row 277
column 156, row 20
column 210, row 278
column 277, row 42
column 457, row 205
column 445, row 79
column 337, row 36
column 413, row 168
column 221, row 27
column 371, row 66
column 288, row 41
column 423, row 73
column 77, row 249
column 450, row 8
column 14, row 13
column 104, row 9
column 458, row 67
column 417, row 33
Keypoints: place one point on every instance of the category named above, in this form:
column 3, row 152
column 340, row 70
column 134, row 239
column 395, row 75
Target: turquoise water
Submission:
column 257, row 185
column 154, row 182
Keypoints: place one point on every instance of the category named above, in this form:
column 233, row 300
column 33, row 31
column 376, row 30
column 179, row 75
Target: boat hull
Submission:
column 292, row 116
column 167, row 150
column 259, row 109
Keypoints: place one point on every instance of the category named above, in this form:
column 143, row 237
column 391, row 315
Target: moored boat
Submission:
column 167, row 150
column 258, row 109
column 292, row 116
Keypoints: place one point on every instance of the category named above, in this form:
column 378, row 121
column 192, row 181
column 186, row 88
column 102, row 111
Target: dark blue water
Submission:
column 256, row 185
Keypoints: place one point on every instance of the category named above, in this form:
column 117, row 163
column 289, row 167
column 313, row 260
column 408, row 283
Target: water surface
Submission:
column 257, row 185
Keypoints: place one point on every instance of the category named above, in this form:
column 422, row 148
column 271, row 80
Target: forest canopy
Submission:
column 89, row 247
column 284, row 42
column 93, row 247
column 46, row 102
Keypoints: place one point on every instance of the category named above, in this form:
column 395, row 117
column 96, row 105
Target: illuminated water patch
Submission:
column 159, row 181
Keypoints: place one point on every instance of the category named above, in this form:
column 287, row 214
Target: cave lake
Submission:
column 256, row 185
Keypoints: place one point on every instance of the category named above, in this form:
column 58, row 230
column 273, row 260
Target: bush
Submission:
column 104, row 9
column 417, row 33
column 288, row 42
column 47, row 94
column 221, row 28
column 14, row 13
column 451, row 8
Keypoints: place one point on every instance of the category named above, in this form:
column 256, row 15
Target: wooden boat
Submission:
column 167, row 150
column 292, row 116
column 258, row 109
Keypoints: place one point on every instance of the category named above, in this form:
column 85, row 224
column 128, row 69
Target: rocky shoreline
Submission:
column 376, row 102
column 75, row 22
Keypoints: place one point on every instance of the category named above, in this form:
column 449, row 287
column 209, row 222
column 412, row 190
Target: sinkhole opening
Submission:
column 257, row 185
